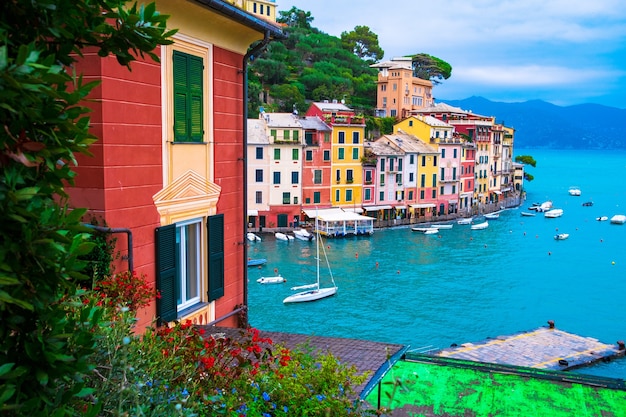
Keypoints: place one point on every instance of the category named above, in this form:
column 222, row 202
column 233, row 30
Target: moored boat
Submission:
column 271, row 280
column 602, row 218
column 588, row 204
column 492, row 216
column 421, row 229
column 527, row 214
column 252, row 237
column 561, row 236
column 431, row 231
column 551, row 214
column 441, row 226
column 575, row 191
column 465, row 221
column 303, row 234
column 257, row 262
column 480, row 226
column 283, row 236
column 618, row 219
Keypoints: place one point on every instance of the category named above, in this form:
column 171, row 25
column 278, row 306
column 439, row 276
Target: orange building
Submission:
column 399, row 92
column 168, row 170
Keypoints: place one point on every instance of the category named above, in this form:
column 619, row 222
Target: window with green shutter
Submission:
column 215, row 240
column 188, row 97
column 166, row 270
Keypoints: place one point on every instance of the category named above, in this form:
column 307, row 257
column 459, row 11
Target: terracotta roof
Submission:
column 363, row 354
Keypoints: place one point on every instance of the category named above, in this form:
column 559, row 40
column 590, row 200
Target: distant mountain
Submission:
column 539, row 124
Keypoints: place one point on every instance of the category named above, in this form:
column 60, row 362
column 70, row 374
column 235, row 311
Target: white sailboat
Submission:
column 314, row 291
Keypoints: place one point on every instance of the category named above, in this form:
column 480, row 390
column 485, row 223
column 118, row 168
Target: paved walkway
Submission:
column 543, row 348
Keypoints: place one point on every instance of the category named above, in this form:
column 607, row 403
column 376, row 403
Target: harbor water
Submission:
column 462, row 285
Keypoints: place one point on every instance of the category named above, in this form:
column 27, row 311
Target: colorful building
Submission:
column 398, row 91
column 316, row 166
column 348, row 134
column 168, row 168
column 265, row 9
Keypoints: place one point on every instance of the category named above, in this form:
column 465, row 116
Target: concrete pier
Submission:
column 543, row 348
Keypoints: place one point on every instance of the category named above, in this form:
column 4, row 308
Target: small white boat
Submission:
column 303, row 234
column 618, row 219
column 561, row 236
column 575, row 191
column 551, row 214
column 492, row 216
column 466, row 221
column 441, row 226
column 480, row 226
column 602, row 218
column 431, row 231
column 421, row 229
column 271, row 280
column 252, row 237
column 527, row 214
column 283, row 236
column 545, row 206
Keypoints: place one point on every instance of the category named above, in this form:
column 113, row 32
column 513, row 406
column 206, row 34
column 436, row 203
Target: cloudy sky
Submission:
column 562, row 51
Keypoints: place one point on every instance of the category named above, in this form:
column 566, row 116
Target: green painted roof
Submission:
column 447, row 387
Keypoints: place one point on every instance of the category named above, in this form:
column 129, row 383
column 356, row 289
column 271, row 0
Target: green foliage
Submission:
column 526, row 160
column 44, row 350
column 428, row 67
column 528, row 177
column 311, row 65
column 363, row 43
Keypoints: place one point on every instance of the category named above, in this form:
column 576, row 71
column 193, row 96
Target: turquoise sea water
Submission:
column 465, row 286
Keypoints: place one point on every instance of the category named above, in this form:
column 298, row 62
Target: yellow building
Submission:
column 399, row 92
column 346, row 151
column 261, row 8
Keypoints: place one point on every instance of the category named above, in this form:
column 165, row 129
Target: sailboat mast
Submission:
column 317, row 246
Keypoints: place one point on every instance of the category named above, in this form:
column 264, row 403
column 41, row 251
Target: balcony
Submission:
column 449, row 180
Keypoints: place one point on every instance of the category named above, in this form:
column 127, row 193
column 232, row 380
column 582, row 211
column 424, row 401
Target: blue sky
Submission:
column 562, row 51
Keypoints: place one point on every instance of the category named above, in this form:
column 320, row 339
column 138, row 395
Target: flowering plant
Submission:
column 128, row 289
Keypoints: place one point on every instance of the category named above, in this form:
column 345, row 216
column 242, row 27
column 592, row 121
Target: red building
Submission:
column 168, row 169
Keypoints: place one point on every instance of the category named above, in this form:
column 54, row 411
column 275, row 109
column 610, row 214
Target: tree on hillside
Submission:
column 363, row 43
column 44, row 349
column 428, row 67
column 295, row 18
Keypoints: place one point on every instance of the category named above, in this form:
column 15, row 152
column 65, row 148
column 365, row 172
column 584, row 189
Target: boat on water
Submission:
column 314, row 292
column 575, row 191
column 588, row 204
column 252, row 237
column 527, row 214
column 422, row 229
column 480, row 226
column 442, row 226
column 551, row 214
column 465, row 221
column 271, row 280
column 618, row 219
column 283, row 236
column 561, row 236
column 602, row 218
column 257, row 262
column 492, row 216
column 543, row 207
column 303, row 234
column 431, row 231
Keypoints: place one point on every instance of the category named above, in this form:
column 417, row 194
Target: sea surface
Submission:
column 462, row 285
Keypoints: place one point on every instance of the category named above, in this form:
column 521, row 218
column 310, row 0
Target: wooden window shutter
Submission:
column 215, row 245
column 167, row 266
column 188, row 97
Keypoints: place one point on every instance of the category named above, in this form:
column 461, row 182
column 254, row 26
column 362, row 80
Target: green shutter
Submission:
column 215, row 244
column 167, row 265
column 188, row 97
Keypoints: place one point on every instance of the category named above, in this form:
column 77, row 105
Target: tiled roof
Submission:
column 366, row 356
column 411, row 144
column 314, row 122
column 256, row 132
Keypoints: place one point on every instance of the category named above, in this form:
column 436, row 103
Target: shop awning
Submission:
column 497, row 192
column 354, row 210
column 400, row 207
column 423, row 205
column 374, row 208
column 253, row 212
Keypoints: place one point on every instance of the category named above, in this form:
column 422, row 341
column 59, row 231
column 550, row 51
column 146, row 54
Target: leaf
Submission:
column 26, row 193
column 42, row 377
column 5, row 368
column 6, row 298
column 7, row 393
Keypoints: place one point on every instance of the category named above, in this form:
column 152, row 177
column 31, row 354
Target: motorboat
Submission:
column 618, row 219
column 527, row 214
column 431, row 231
column 588, row 204
column 252, row 237
column 303, row 234
column 257, row 262
column 441, row 226
column 271, row 280
column 465, row 221
column 283, row 236
column 602, row 218
column 561, row 236
column 553, row 213
column 421, row 229
column 543, row 207
column 492, row 216
column 575, row 191
column 480, row 226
